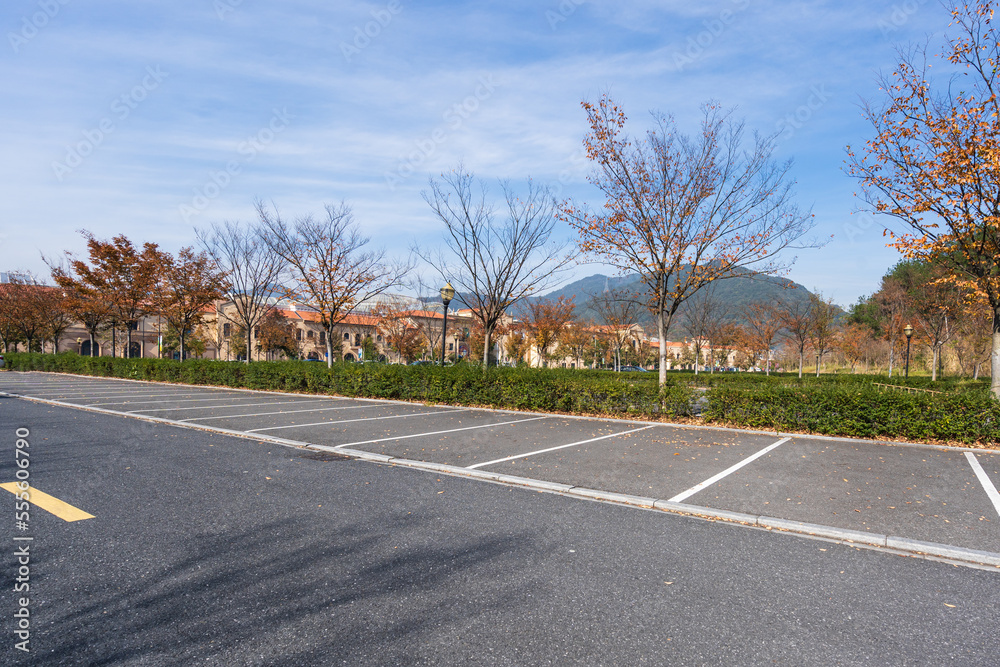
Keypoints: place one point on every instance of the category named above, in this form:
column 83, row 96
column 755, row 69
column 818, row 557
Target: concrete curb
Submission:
column 948, row 553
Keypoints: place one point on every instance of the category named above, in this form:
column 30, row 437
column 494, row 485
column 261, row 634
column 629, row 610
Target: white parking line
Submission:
column 984, row 479
column 680, row 497
column 347, row 421
column 280, row 412
column 105, row 395
column 237, row 405
column 451, row 430
column 552, row 449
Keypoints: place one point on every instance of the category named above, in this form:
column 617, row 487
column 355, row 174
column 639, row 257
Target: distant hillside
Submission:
column 736, row 292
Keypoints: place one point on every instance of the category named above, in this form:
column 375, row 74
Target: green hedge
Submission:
column 858, row 411
column 846, row 405
column 550, row 390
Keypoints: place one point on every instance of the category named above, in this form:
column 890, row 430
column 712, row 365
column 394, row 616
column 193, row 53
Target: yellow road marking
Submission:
column 63, row 510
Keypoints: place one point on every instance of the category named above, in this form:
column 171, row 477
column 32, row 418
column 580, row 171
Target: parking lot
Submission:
column 836, row 488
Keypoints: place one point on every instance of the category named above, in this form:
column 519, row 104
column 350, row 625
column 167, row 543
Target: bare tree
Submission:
column 705, row 318
column 796, row 320
column 252, row 268
column 618, row 311
column 682, row 211
column 494, row 258
column 822, row 326
column 332, row 270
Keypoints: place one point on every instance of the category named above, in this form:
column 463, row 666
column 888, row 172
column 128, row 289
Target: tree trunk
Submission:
column 892, row 351
column 329, row 349
column 661, row 332
column 934, row 364
column 995, row 355
column 181, row 337
column 249, row 343
column 486, row 346
column 802, row 354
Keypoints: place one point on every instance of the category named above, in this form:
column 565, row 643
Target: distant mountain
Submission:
column 737, row 293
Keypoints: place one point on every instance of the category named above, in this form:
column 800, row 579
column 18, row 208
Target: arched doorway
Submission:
column 134, row 350
column 85, row 349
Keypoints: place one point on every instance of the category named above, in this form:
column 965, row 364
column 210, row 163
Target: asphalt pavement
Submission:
column 913, row 499
column 214, row 549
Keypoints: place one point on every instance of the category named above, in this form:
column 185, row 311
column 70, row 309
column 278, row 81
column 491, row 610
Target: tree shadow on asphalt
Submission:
column 286, row 590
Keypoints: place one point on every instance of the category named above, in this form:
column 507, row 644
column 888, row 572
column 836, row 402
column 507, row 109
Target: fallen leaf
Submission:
column 949, row 605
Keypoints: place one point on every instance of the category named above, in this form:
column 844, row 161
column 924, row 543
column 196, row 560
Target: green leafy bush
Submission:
column 549, row 390
column 858, row 410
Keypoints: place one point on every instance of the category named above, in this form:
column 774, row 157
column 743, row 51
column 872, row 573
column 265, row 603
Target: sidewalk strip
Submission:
column 552, row 449
column 728, row 471
column 988, row 487
column 64, row 511
column 348, row 421
column 451, row 430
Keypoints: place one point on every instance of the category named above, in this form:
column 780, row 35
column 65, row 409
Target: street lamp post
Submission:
column 908, row 332
column 447, row 294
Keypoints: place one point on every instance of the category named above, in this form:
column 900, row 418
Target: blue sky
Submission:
column 151, row 118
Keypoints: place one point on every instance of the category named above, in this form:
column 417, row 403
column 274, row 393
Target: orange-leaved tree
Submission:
column 934, row 162
column 189, row 284
column 546, row 320
column 117, row 274
column 684, row 211
column 761, row 326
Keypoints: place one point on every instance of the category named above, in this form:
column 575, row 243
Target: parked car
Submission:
column 639, row 369
column 2, row 362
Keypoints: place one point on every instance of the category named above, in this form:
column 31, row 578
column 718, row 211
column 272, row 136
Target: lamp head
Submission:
column 908, row 331
column 447, row 294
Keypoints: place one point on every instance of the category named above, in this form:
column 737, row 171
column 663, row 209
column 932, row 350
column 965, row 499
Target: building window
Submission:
column 309, row 334
column 225, row 330
column 256, row 332
column 357, row 339
column 347, row 337
column 378, row 338
column 298, row 334
column 322, row 338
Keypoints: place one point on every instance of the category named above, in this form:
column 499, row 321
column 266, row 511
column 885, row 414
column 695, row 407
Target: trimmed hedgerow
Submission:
column 549, row 390
column 845, row 405
column 858, row 411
